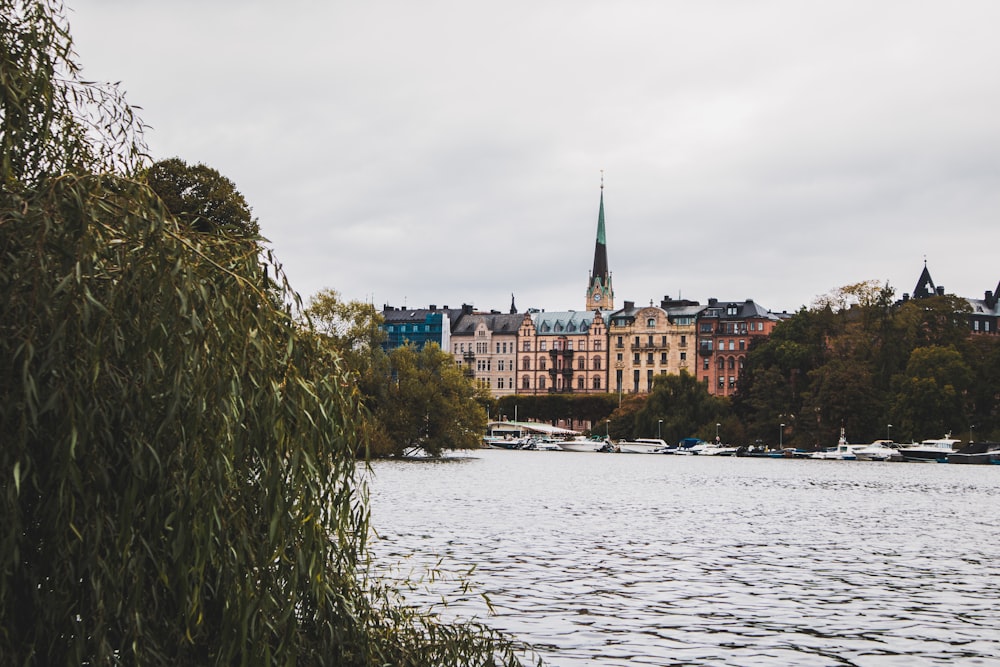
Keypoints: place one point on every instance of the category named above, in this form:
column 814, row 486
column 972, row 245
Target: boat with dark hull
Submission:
column 977, row 453
column 930, row 451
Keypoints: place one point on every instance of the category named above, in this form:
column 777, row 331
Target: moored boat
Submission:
column 879, row 450
column 979, row 453
column 930, row 451
column 842, row 452
column 583, row 444
column 642, row 446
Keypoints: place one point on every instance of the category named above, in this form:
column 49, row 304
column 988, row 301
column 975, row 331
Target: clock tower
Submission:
column 600, row 295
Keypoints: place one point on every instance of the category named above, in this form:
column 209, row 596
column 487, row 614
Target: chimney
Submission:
column 629, row 305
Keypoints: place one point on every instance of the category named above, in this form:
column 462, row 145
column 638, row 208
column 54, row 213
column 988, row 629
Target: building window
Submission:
column 637, row 341
column 743, row 345
column 569, row 345
column 499, row 383
column 732, row 363
column 597, row 382
column 527, row 346
column 500, row 365
column 704, row 364
column 541, row 364
column 620, row 356
column 526, row 363
column 597, row 363
column 635, row 358
column 684, row 356
column 583, row 345
column 651, row 322
column 597, row 346
column 581, row 363
column 525, row 382
column 684, row 341
column 580, row 383
column 722, row 363
column 541, row 346
column 649, row 358
column 663, row 357
column 541, row 382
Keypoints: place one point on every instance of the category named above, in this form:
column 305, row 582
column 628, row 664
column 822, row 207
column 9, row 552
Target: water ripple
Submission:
column 658, row 560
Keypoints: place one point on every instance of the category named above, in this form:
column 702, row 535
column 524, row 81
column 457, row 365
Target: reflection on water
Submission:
column 603, row 559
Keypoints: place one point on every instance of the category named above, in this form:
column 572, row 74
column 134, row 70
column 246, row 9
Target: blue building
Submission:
column 420, row 326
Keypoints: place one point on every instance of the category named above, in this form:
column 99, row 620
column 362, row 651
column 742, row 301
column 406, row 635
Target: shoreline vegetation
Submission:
column 179, row 455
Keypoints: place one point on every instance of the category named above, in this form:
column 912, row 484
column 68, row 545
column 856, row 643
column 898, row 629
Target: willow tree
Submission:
column 176, row 475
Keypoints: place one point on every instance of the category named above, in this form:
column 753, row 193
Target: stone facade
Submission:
column 649, row 341
column 485, row 345
column 562, row 352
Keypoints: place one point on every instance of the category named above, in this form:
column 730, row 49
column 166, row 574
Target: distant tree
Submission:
column 429, row 403
column 202, row 198
column 932, row 394
column 841, row 394
column 684, row 405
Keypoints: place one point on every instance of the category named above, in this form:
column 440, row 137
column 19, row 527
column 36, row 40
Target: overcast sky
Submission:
column 440, row 153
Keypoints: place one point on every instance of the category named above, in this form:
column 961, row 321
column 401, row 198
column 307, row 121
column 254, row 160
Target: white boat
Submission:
column 933, row 450
column 879, row 450
column 543, row 445
column 642, row 446
column 842, row 452
column 583, row 444
column 714, row 449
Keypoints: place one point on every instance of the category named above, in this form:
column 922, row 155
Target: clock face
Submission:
column 597, row 297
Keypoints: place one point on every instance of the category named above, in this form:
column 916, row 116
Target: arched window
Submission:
column 580, row 383
column 541, row 364
column 597, row 382
column 581, row 363
column 732, row 363
column 541, row 382
column 722, row 363
column 526, row 363
column 525, row 382
column 597, row 362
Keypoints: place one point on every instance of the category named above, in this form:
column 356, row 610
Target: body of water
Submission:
column 617, row 559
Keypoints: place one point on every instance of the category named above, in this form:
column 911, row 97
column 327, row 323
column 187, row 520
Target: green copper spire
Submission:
column 601, row 249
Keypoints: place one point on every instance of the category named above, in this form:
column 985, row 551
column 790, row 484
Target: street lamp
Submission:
column 781, row 435
column 659, row 428
column 717, row 432
column 888, row 432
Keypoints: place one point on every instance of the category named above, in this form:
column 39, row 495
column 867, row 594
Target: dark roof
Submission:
column 495, row 322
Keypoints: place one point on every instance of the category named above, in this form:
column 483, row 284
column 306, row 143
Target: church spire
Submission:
column 600, row 296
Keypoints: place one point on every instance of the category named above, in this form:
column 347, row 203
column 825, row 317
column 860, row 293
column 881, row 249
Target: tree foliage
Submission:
column 429, row 403
column 868, row 363
column 177, row 478
column 414, row 399
column 684, row 405
column 202, row 198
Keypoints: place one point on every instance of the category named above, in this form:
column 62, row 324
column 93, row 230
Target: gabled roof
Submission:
column 562, row 323
column 925, row 285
